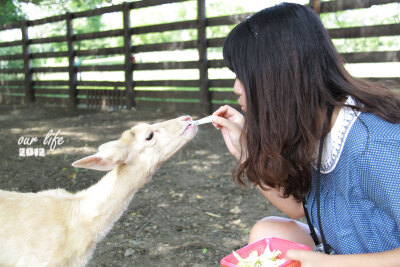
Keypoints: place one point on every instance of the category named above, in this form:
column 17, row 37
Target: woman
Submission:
column 313, row 134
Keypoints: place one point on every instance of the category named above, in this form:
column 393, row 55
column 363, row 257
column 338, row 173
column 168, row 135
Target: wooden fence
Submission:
column 203, row 99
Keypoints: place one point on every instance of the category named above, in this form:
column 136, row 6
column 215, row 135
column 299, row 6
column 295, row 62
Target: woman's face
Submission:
column 238, row 89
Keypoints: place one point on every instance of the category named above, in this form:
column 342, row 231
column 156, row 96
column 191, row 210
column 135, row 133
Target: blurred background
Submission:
column 169, row 42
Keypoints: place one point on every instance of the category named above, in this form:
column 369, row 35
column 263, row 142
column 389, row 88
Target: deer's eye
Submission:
column 149, row 136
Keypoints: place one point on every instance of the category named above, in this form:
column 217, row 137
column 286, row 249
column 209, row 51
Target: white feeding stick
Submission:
column 204, row 120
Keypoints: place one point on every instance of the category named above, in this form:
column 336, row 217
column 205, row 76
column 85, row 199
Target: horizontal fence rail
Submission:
column 201, row 95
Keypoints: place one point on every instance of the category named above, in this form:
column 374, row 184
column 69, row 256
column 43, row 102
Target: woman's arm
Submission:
column 290, row 206
column 311, row 259
column 231, row 122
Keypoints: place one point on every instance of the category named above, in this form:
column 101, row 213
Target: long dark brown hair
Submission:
column 291, row 73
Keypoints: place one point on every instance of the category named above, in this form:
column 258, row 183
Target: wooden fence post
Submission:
column 29, row 93
column 316, row 6
column 205, row 95
column 130, row 97
column 72, row 69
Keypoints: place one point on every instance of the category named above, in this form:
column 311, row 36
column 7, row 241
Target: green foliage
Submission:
column 182, row 11
column 57, row 7
column 376, row 15
column 81, row 25
column 158, row 15
column 9, row 12
column 217, row 8
column 79, row 5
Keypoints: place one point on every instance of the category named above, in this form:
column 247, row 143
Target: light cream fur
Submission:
column 58, row 228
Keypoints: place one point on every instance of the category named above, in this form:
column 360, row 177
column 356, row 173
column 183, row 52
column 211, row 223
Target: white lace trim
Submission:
column 335, row 139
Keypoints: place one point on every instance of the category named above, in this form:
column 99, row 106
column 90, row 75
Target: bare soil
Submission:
column 190, row 214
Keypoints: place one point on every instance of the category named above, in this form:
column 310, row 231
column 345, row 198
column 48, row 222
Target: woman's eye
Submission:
column 150, row 136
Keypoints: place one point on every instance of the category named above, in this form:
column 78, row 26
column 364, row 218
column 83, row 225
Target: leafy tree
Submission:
column 377, row 15
column 9, row 12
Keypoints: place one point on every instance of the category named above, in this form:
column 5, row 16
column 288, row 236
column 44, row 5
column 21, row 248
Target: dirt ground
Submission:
column 190, row 214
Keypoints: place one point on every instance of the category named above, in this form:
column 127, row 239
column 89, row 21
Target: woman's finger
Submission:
column 308, row 258
column 220, row 121
column 227, row 111
column 297, row 255
column 221, row 110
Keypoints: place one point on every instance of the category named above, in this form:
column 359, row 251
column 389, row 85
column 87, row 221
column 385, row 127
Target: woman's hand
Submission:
column 309, row 258
column 230, row 122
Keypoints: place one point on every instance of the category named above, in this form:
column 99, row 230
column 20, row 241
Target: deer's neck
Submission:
column 103, row 203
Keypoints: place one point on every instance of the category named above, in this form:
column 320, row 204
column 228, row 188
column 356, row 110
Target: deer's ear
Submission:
column 94, row 162
column 110, row 155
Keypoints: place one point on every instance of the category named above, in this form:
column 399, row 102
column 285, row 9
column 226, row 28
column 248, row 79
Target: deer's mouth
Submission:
column 188, row 128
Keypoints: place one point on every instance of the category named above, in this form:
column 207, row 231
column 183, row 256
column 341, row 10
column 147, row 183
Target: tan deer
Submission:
column 58, row 228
